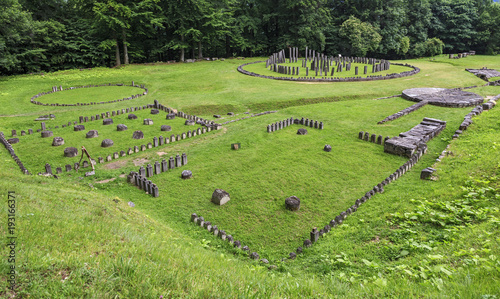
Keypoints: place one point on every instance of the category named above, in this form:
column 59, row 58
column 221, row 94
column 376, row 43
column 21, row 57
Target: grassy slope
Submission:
column 318, row 271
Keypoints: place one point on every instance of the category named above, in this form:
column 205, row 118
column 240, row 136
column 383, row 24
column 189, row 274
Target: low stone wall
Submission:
column 404, row 112
column 9, row 148
column 60, row 88
column 218, row 232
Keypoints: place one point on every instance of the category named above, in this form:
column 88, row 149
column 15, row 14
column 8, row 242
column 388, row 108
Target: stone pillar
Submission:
column 157, row 168
column 184, row 159
column 171, row 163
column 178, row 161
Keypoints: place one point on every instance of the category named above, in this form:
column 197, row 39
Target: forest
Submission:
column 50, row 35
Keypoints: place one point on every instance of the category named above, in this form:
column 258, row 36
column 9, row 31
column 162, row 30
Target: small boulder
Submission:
column 13, row 140
column 57, row 141
column 292, row 203
column 154, row 111
column 132, row 116
column 301, row 131
column 121, row 127
column 138, row 135
column 171, row 116
column 220, row 197
column 70, row 152
column 79, row 128
column 92, row 134
column 189, row 122
column 46, row 134
column 107, row 143
column 166, row 128
column 327, row 148
column 148, row 121
column 107, row 121
column 186, row 174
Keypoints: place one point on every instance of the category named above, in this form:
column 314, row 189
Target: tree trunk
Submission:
column 228, row 47
column 200, row 54
column 125, row 50
column 182, row 49
column 118, row 61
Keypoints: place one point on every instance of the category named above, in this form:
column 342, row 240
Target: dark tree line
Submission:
column 47, row 35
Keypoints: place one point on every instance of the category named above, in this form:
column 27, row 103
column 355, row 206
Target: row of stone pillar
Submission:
column 289, row 121
column 216, row 231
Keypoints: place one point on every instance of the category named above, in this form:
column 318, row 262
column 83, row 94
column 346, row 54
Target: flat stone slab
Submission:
column 443, row 97
column 484, row 74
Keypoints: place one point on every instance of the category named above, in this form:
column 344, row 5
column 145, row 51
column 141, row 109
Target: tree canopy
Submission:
column 47, row 35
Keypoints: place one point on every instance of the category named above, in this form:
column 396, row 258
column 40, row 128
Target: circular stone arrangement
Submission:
column 292, row 203
column 92, row 134
column 138, row 135
column 166, row 128
column 121, row 127
column 60, row 88
column 70, row 152
column 107, row 143
column 454, row 98
column 57, row 141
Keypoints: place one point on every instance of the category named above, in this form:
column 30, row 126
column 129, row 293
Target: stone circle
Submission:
column 107, row 143
column 186, row 174
column 138, row 135
column 70, row 152
column 92, row 134
column 57, row 141
column 292, row 203
column 13, row 140
column 107, row 121
column 301, row 131
column 148, row 121
column 79, row 128
column 443, row 97
column 166, row 128
column 121, row 127
column 46, row 134
column 220, row 197
column 132, row 116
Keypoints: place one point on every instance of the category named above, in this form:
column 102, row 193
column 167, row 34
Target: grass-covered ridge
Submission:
column 419, row 238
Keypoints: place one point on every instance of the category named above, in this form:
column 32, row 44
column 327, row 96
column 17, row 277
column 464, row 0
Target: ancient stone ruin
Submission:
column 220, row 197
column 407, row 143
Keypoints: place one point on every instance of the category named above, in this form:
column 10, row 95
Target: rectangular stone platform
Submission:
column 407, row 142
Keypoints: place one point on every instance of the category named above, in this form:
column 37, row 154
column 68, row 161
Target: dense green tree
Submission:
column 14, row 31
column 454, row 22
column 361, row 36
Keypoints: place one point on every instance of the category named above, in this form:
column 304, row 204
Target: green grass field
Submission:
column 77, row 237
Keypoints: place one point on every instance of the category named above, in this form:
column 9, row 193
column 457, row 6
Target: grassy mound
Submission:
column 79, row 237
